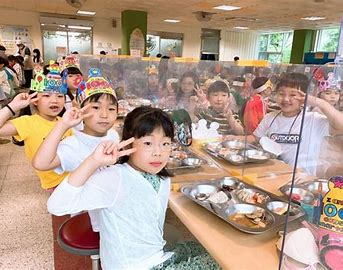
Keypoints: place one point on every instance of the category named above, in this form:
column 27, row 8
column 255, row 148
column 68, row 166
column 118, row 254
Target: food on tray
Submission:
column 212, row 147
column 256, row 219
column 251, row 197
column 296, row 197
column 179, row 154
column 226, row 151
column 218, row 197
column 280, row 210
column 228, row 188
column 201, row 196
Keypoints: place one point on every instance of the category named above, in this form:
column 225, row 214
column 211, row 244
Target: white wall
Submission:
column 23, row 18
column 242, row 44
column 191, row 37
column 105, row 36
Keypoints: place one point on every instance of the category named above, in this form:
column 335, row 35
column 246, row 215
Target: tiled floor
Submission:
column 27, row 229
column 26, row 233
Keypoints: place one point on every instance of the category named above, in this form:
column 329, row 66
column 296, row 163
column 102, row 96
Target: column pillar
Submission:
column 303, row 40
column 134, row 31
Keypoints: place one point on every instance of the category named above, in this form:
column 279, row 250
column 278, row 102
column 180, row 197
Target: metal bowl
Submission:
column 280, row 208
column 230, row 183
column 255, row 155
column 192, row 162
column 234, row 158
column 299, row 195
column 173, row 163
column 313, row 186
column 235, row 144
column 248, row 209
column 250, row 195
column 202, row 189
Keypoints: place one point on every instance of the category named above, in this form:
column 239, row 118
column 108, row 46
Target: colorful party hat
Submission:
column 52, row 82
column 69, row 61
column 95, row 84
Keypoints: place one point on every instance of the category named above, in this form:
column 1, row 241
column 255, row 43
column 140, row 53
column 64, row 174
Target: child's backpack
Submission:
column 182, row 127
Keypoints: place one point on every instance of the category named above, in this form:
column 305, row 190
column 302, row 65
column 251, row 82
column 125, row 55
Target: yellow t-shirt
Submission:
column 33, row 129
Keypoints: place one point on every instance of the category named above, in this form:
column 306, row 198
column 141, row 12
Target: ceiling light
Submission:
column 241, row 27
column 83, row 12
column 313, row 18
column 79, row 27
column 42, row 24
column 172, row 21
column 227, row 8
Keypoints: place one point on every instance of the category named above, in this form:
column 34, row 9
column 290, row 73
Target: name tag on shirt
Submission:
column 285, row 138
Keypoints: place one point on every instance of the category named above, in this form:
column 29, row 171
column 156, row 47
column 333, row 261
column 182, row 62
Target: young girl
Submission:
column 49, row 101
column 98, row 111
column 73, row 76
column 131, row 196
column 328, row 90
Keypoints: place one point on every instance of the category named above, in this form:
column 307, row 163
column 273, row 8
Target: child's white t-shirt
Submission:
column 73, row 150
column 285, row 131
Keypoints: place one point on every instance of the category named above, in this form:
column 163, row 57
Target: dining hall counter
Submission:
column 231, row 248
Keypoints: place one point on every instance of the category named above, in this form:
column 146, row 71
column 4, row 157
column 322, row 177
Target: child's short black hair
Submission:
column 258, row 82
column 96, row 97
column 143, row 121
column 218, row 86
column 294, row 80
column 72, row 70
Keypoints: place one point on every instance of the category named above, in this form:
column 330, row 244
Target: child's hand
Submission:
column 200, row 93
column 74, row 116
column 311, row 100
column 227, row 112
column 22, row 100
column 107, row 153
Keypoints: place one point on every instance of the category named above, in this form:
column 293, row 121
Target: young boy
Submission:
column 218, row 95
column 98, row 111
column 256, row 107
column 33, row 129
column 283, row 126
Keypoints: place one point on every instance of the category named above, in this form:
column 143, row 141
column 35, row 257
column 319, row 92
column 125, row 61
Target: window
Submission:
column 164, row 43
column 327, row 40
column 276, row 47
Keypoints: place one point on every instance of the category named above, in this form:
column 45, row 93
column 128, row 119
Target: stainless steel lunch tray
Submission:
column 305, row 191
column 274, row 208
column 192, row 161
column 238, row 152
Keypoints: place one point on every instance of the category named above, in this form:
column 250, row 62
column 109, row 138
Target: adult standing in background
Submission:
column 28, row 62
column 37, row 57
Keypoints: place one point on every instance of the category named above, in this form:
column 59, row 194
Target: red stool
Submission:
column 76, row 236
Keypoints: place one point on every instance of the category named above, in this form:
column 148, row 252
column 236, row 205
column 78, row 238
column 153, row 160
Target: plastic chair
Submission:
column 77, row 237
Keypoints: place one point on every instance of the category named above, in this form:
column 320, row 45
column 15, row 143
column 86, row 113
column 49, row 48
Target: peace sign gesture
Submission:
column 108, row 152
column 73, row 116
column 200, row 92
column 22, row 100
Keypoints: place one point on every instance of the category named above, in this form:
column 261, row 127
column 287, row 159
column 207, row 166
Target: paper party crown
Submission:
column 69, row 61
column 95, row 84
column 52, row 82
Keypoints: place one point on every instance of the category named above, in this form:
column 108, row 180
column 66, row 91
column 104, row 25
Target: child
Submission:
column 283, row 126
column 98, row 111
column 131, row 196
column 49, row 101
column 73, row 76
column 256, row 107
column 218, row 95
column 329, row 90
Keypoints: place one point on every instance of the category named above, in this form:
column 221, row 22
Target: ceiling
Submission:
column 262, row 15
